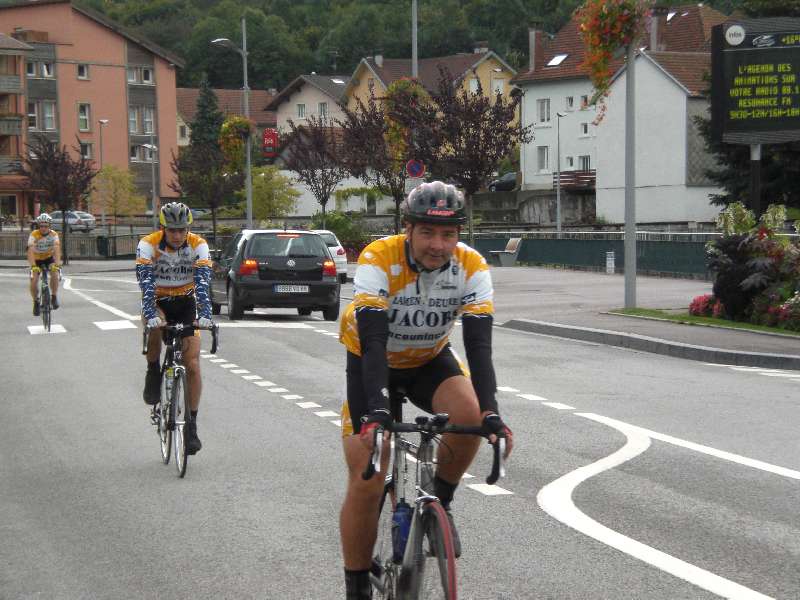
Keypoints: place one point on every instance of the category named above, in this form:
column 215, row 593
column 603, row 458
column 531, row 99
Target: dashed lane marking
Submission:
column 39, row 329
column 504, row 388
column 558, row 405
column 326, row 413
column 489, row 490
column 251, row 377
column 263, row 325
column 292, row 397
column 337, row 423
column 108, row 325
column 264, row 383
column 308, row 405
column 532, row 397
column 228, row 366
column 218, row 360
column 239, row 371
column 277, row 390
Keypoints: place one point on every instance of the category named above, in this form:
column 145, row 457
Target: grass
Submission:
column 688, row 319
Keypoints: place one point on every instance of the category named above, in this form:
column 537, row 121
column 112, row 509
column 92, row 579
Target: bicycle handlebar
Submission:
column 177, row 328
column 434, row 427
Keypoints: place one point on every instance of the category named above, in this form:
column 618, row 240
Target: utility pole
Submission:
column 630, row 177
column 414, row 58
column 249, row 142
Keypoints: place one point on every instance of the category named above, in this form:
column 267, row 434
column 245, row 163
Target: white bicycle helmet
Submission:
column 175, row 215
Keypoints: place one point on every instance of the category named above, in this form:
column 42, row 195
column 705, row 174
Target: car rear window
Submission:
column 286, row 244
column 330, row 239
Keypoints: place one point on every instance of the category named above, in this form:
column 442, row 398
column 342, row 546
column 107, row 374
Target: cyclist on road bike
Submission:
column 409, row 290
column 44, row 252
column 174, row 273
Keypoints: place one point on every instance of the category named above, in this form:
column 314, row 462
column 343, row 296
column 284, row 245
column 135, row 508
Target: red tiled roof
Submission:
column 230, row 103
column 689, row 68
column 689, row 30
column 393, row 69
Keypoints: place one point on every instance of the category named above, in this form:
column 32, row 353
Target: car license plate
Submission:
column 291, row 289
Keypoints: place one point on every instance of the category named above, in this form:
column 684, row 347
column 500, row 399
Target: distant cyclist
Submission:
column 44, row 252
column 409, row 290
column 174, row 273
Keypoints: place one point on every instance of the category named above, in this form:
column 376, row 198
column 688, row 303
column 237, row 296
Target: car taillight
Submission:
column 340, row 251
column 329, row 268
column 249, row 266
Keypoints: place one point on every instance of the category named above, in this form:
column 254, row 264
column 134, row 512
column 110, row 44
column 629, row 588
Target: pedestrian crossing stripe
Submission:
column 39, row 329
column 108, row 325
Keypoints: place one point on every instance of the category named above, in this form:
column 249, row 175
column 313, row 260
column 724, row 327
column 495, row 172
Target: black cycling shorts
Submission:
column 179, row 309
column 45, row 263
column 420, row 384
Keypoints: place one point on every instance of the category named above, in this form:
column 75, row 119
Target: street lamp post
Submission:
column 153, row 149
column 558, row 172
column 103, row 123
column 248, row 175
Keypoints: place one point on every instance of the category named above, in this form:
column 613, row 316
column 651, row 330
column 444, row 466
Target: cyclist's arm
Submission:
column 202, row 280
column 373, row 334
column 477, row 330
column 146, row 278
column 57, row 251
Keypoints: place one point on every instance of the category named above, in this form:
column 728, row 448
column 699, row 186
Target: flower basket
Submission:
column 607, row 27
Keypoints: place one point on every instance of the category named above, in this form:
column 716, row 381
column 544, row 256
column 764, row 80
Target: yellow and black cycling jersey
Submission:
column 44, row 245
column 173, row 270
column 422, row 307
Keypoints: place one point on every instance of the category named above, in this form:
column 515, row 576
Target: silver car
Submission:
column 337, row 252
column 77, row 220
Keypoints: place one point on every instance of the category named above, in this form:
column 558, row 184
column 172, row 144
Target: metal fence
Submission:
column 14, row 245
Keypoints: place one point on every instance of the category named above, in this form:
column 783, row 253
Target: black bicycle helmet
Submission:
column 175, row 215
column 436, row 202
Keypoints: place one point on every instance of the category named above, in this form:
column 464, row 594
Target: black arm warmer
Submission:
column 373, row 333
column 478, row 344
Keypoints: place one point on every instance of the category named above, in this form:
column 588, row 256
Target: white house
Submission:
column 309, row 95
column 307, row 204
column 556, row 93
column 670, row 155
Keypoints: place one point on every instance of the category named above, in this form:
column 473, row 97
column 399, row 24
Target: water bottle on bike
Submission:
column 401, row 524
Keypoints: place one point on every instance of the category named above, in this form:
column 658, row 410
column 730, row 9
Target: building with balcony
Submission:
column 88, row 84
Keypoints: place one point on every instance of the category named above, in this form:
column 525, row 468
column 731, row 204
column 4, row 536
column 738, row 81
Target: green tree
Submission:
column 208, row 119
column 273, row 194
column 115, row 192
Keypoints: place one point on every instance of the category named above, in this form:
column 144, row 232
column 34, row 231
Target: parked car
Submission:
column 76, row 220
column 275, row 268
column 337, row 252
column 505, row 183
column 198, row 213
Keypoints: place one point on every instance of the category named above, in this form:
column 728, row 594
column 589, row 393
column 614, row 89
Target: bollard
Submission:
column 610, row 263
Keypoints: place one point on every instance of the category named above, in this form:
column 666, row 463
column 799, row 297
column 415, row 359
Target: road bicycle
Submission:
column 172, row 413
column 425, row 568
column 44, row 296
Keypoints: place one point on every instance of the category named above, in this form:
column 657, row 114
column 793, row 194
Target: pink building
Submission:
column 76, row 77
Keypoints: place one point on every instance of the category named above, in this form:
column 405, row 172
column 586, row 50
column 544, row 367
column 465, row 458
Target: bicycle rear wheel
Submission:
column 163, row 414
column 384, row 571
column 437, row 564
column 180, row 415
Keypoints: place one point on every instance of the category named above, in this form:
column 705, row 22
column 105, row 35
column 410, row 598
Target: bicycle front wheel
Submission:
column 163, row 414
column 384, row 571
column 180, row 415
column 44, row 307
column 437, row 559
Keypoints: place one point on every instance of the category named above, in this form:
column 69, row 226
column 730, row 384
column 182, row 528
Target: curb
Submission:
column 658, row 346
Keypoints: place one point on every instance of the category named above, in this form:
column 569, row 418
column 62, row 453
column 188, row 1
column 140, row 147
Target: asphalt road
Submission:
column 635, row 475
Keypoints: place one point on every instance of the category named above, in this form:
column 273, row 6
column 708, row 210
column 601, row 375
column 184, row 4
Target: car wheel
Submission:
column 216, row 307
column 492, row 188
column 331, row 313
column 303, row 312
column 342, row 277
column 235, row 309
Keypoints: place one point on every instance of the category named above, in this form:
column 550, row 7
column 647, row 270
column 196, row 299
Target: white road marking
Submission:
column 277, row 390
column 292, row 397
column 735, row 458
column 107, row 325
column 239, row 371
column 532, row 397
column 779, row 374
column 333, row 334
column 251, row 377
column 326, row 413
column 103, row 305
column 39, row 329
column 337, row 423
column 716, row 365
column 321, row 331
column 489, row 490
column 556, row 499
column 208, row 355
column 229, row 366
column 264, row 383
column 308, row 405
column 757, row 370
column 558, row 405
column 219, row 360
column 503, row 388
column 263, row 325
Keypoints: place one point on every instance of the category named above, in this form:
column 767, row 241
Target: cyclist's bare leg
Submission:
column 34, row 284
column 54, row 277
column 456, row 397
column 154, row 341
column 358, row 520
column 191, row 360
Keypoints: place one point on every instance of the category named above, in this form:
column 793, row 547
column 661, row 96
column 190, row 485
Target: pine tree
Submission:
column 208, row 119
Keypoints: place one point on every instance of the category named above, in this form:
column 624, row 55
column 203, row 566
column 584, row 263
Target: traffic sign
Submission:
column 415, row 168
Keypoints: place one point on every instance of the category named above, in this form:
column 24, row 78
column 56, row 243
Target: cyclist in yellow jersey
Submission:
column 44, row 252
column 174, row 273
column 409, row 290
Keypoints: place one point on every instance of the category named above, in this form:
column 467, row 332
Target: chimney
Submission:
column 657, row 12
column 379, row 60
column 481, row 47
column 534, row 41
